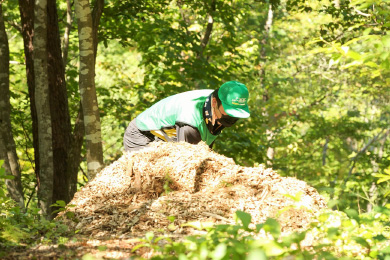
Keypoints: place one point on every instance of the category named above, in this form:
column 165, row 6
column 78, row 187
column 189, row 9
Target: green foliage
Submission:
column 61, row 206
column 29, row 227
column 18, row 227
column 334, row 235
column 172, row 55
column 167, row 183
column 384, row 177
column 319, row 100
column 6, row 203
column 117, row 80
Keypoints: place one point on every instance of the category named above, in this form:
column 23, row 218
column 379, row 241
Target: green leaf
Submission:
column 8, row 177
column 256, row 254
column 272, row 226
column 2, row 170
column 183, row 257
column 244, row 217
column 386, row 250
column 135, row 248
column 102, row 248
column 382, row 177
column 219, row 251
column 371, row 64
column 361, row 241
column 333, row 232
column 149, row 236
column 352, row 155
column 88, row 257
column 333, row 203
column 199, row 225
column 384, row 55
column 380, row 238
column 59, row 203
column 172, row 227
column 259, row 227
column 203, row 251
column 386, row 40
column 386, row 64
column 171, row 218
column 161, row 238
column 295, row 198
column 367, row 31
column 352, row 213
column 354, row 55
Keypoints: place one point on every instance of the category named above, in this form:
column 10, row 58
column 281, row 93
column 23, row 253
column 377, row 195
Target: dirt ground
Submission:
column 167, row 185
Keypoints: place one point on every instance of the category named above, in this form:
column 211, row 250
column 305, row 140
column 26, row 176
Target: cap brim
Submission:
column 235, row 111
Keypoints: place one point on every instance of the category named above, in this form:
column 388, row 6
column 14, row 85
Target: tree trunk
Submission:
column 69, row 21
column 324, row 151
column 26, row 8
column 7, row 143
column 270, row 134
column 45, row 190
column 209, row 28
column 77, row 136
column 75, row 151
column 96, row 15
column 59, row 109
column 87, row 89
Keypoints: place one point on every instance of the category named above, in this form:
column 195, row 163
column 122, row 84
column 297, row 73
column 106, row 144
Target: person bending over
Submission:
column 192, row 116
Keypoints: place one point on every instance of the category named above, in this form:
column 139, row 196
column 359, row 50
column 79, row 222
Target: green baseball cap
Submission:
column 234, row 96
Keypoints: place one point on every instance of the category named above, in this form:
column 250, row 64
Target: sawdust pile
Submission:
column 139, row 191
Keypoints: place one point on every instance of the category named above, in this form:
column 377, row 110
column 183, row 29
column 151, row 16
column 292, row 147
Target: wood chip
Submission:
column 147, row 190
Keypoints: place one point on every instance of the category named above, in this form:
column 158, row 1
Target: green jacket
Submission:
column 186, row 108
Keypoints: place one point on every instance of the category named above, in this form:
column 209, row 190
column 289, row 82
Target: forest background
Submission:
column 317, row 72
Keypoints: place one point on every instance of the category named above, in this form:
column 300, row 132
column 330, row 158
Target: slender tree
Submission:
column 263, row 56
column 59, row 108
column 26, row 8
column 87, row 88
column 79, row 129
column 68, row 27
column 7, row 143
column 209, row 29
column 75, row 152
column 45, row 189
column 96, row 15
column 77, row 137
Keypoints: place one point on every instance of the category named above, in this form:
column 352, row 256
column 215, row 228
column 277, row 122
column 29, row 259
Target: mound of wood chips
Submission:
column 169, row 184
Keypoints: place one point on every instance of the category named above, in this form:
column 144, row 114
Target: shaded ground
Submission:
column 81, row 247
column 162, row 187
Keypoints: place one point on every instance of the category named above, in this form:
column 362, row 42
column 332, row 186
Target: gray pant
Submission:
column 135, row 139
